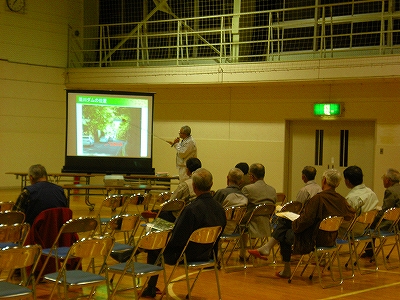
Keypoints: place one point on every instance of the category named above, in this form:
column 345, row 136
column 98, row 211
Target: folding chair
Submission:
column 71, row 228
column 362, row 224
column 172, row 208
column 131, row 200
column 6, row 205
column 344, row 239
column 324, row 253
column 19, row 258
column 391, row 215
column 115, row 204
column 262, row 211
column 232, row 232
column 12, row 217
column 126, row 225
column 13, row 230
column 13, row 235
column 149, row 242
column 85, row 249
column 162, row 198
column 204, row 236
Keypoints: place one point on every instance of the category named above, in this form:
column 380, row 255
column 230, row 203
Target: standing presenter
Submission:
column 185, row 148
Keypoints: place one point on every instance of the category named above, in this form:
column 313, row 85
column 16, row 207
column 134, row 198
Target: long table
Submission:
column 84, row 178
column 88, row 190
column 55, row 177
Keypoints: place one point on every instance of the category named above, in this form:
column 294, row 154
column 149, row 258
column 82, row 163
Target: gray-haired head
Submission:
column 393, row 175
column 333, row 177
column 235, row 176
column 186, row 130
column 37, row 172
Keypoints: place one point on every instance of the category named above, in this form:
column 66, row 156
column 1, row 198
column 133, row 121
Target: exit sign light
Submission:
column 327, row 109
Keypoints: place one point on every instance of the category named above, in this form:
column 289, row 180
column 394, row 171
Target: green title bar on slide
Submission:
column 111, row 101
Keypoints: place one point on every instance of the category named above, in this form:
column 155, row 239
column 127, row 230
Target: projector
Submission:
column 114, row 180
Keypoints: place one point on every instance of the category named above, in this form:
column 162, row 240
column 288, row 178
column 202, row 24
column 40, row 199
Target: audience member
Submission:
column 302, row 234
column 310, row 188
column 360, row 197
column 185, row 191
column 40, row 195
column 391, row 199
column 185, row 149
column 392, row 194
column 245, row 169
column 204, row 211
column 232, row 195
column 308, row 191
column 257, row 192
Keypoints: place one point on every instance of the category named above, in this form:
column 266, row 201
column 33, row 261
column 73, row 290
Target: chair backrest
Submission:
column 367, row 217
column 14, row 233
column 331, row 223
column 6, row 205
column 235, row 213
column 361, row 224
column 79, row 225
column 234, row 216
column 264, row 209
column 19, row 258
column 74, row 227
column 92, row 247
column 155, row 240
column 281, row 198
column 392, row 215
column 164, row 196
column 127, row 224
column 124, row 222
column 113, row 201
column 12, row 217
column 130, row 199
column 205, row 235
column 173, row 205
column 145, row 200
column 292, row 206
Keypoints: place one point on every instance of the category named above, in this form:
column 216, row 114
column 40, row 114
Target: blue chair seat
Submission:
column 139, row 268
column 76, row 277
column 10, row 290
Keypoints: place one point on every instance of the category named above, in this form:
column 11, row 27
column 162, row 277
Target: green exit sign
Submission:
column 327, row 109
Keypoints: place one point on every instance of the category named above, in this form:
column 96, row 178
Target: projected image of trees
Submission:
column 113, row 129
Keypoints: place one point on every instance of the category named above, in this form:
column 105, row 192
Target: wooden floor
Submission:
column 257, row 281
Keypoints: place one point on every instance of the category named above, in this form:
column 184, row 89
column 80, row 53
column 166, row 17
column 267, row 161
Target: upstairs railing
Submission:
column 349, row 29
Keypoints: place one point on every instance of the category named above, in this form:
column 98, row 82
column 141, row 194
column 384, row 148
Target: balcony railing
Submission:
column 354, row 28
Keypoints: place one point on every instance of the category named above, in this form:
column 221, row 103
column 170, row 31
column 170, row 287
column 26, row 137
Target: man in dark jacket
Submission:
column 204, row 211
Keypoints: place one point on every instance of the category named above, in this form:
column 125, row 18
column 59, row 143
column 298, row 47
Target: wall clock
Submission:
column 16, row 5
